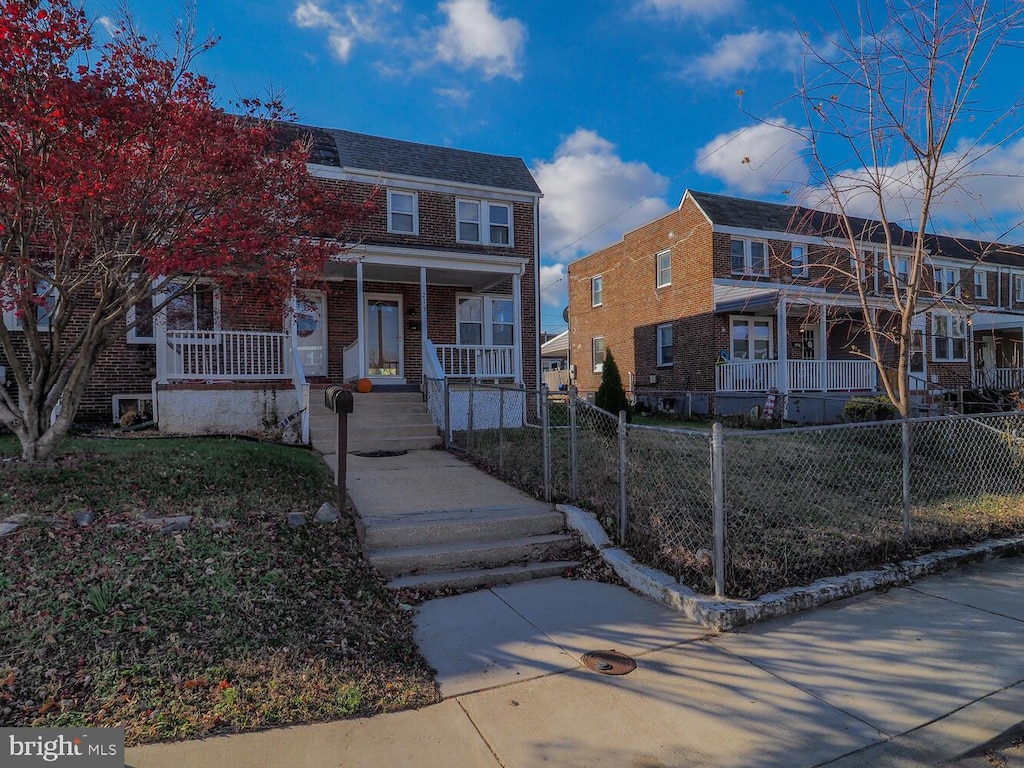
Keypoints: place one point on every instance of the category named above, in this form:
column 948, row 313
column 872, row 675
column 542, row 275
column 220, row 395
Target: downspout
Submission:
column 536, row 291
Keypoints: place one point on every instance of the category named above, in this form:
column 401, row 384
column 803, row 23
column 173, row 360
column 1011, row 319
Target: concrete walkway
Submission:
column 915, row 676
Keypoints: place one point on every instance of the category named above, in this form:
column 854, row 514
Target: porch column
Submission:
column 423, row 320
column 517, row 327
column 782, row 375
column 822, row 354
column 360, row 319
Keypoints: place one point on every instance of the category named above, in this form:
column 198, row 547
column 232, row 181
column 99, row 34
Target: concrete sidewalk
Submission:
column 916, row 676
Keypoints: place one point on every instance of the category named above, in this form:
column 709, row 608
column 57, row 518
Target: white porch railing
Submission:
column 999, row 378
column 465, row 361
column 350, row 361
column 221, row 355
column 804, row 375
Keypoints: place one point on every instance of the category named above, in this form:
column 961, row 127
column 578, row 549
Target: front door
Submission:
column 311, row 331
column 384, row 336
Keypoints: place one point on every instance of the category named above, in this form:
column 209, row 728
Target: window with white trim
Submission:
column 193, row 308
column 798, row 260
column 663, row 265
column 485, row 321
column 597, row 350
column 403, row 212
column 980, row 284
column 45, row 302
column 947, row 281
column 665, row 344
column 749, row 257
column 122, row 405
column 597, row 291
column 949, row 336
column 750, row 338
column 484, row 222
column 902, row 264
column 1018, row 289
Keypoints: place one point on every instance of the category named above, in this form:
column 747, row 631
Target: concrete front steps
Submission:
column 468, row 548
column 380, row 421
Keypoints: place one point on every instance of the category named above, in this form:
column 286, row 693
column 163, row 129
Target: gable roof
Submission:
column 739, row 212
column 359, row 151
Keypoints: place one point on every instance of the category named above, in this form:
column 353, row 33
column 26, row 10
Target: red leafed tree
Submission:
column 119, row 173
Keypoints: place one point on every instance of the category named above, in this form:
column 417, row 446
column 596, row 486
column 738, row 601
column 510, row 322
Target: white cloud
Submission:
column 356, row 23
column 110, row 26
column 553, row 285
column 756, row 158
column 592, row 196
column 703, row 9
column 980, row 192
column 747, row 52
column 458, row 96
column 475, row 37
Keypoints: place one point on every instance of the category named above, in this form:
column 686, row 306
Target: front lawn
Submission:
column 237, row 622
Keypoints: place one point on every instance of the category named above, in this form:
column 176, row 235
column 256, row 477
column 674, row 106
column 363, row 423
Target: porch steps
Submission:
column 468, row 548
column 380, row 421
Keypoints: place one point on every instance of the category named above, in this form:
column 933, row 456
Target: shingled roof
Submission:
column 376, row 154
column 739, row 212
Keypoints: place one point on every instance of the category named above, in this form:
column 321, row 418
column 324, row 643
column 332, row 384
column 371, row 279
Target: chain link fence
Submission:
column 740, row 513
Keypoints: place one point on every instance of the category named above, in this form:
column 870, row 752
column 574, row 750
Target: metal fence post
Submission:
column 905, row 441
column 501, row 429
column 573, row 476
column 622, row 477
column 718, row 504
column 545, row 418
column 469, row 425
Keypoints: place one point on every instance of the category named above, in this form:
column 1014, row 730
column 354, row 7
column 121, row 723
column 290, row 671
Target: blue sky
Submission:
column 616, row 105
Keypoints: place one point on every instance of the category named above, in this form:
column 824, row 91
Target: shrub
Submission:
column 611, row 396
column 869, row 409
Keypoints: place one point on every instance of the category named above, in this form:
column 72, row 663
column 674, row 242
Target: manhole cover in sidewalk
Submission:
column 608, row 662
column 378, row 454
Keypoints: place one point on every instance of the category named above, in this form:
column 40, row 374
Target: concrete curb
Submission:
column 723, row 614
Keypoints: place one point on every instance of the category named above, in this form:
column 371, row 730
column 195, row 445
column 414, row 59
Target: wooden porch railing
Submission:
column 804, row 375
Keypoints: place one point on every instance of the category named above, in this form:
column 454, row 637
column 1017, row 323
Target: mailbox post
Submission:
column 340, row 402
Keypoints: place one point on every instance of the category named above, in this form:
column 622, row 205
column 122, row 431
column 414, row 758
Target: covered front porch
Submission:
column 997, row 351
column 791, row 344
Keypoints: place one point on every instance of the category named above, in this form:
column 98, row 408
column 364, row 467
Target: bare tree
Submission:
column 898, row 97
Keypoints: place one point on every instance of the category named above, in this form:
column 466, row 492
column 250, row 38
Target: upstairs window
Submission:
column 1018, row 289
column 947, row 281
column 798, row 260
column 596, row 291
column 980, row 284
column 484, row 222
column 749, row 257
column 663, row 262
column 403, row 213
column 902, row 264
column 949, row 336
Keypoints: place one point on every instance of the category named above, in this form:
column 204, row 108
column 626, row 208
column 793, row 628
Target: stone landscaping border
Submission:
column 720, row 615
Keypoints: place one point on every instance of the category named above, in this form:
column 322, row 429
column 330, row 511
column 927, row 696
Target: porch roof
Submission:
column 398, row 265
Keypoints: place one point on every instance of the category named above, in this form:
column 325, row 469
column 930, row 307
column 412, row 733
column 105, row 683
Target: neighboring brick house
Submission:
column 729, row 298
column 445, row 271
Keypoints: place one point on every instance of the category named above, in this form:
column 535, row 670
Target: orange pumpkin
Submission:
column 364, row 385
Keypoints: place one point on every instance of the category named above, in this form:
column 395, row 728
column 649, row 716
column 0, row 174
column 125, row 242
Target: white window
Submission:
column 949, row 336
column 192, row 308
column 484, row 222
column 947, row 281
column 1018, row 289
column 45, row 303
column 597, row 348
column 751, row 338
column 980, row 284
column 597, row 291
column 902, row 264
column 403, row 212
column 122, row 405
column 859, row 265
column 749, row 257
column 485, row 321
column 664, row 267
column 665, row 344
column 798, row 260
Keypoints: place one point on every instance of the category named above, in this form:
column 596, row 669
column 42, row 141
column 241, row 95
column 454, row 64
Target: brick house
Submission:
column 441, row 282
column 728, row 298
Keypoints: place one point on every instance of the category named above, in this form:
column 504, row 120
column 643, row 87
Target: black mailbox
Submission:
column 338, row 400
